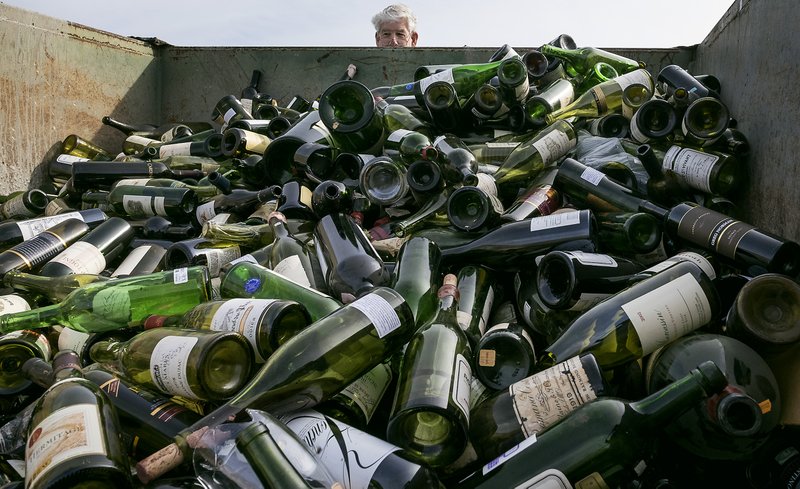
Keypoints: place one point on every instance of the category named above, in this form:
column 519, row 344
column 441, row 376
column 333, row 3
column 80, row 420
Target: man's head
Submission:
column 395, row 27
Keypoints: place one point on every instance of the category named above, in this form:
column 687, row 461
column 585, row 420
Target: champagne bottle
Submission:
column 76, row 407
column 142, row 260
column 457, row 162
column 31, row 254
column 580, row 61
column 12, row 232
column 203, row 365
column 576, row 280
column 347, row 108
column 638, row 320
column 601, row 441
column 430, row 415
column 350, row 264
column 416, row 277
column 765, row 313
column 504, row 355
column 510, row 246
column 177, row 204
column 266, row 323
column 425, row 180
column 91, row 253
column 739, row 243
column 81, row 343
column 533, row 155
column 604, row 98
column 277, row 164
column 118, row 303
column 532, row 405
column 444, row 108
column 477, row 290
column 291, row 257
column 246, row 279
column 397, row 117
column 15, row 348
column 101, row 175
column 331, row 196
column 672, row 78
column 733, row 424
column 357, row 459
column 202, row 252
column 328, row 355
column 22, row 205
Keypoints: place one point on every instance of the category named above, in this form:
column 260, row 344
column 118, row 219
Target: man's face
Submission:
column 395, row 34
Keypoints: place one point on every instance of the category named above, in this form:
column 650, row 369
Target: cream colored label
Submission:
column 244, row 317
column 292, row 267
column 82, row 257
column 555, row 220
column 379, row 312
column 13, row 303
column 553, row 146
column 217, row 257
column 487, row 184
column 587, row 301
column 15, row 207
column 33, row 227
column 168, row 364
column 487, row 358
column 67, row 433
column 636, row 133
column 367, row 390
column 694, row 167
column 71, row 339
column 592, row 176
column 113, row 303
column 54, row 207
column 640, row 76
column 544, row 398
column 247, row 103
column 444, row 75
column 158, row 205
column 130, row 261
column 668, row 312
column 397, row 135
column 691, row 256
column 176, row 149
column 134, row 182
column 139, row 140
column 205, row 212
column 462, row 378
column 246, row 258
column 138, row 205
column 549, row 479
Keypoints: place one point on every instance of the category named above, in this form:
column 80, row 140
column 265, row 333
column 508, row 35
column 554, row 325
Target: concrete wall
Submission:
column 754, row 51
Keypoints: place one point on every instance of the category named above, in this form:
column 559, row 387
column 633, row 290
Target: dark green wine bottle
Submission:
column 416, row 277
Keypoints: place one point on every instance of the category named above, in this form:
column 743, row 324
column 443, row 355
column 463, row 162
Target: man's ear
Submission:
column 414, row 37
column 376, row 39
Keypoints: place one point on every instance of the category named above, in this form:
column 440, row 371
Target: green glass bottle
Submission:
column 430, row 415
column 396, row 117
column 291, row 257
column 504, row 355
column 408, row 146
column 136, row 202
column 357, row 403
column 247, row 279
column 457, row 162
column 24, row 204
column 532, row 156
column 76, row 410
column 119, row 303
column 641, row 318
column 202, row 365
column 347, row 108
column 477, row 290
column 555, row 96
column 539, row 199
column 580, row 61
column 15, row 348
column 601, row 442
column 416, row 277
column 248, row 236
column 532, row 405
column 54, row 288
column 625, row 233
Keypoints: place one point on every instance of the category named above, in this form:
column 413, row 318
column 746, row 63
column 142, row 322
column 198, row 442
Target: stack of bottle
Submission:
column 520, row 273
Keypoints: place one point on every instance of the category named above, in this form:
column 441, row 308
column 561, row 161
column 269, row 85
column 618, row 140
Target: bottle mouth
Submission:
column 739, row 415
column 555, row 279
column 767, row 308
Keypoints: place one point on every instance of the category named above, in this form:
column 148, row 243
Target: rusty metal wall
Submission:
column 754, row 51
column 57, row 78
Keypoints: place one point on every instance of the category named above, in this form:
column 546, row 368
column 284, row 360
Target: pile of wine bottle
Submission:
column 527, row 272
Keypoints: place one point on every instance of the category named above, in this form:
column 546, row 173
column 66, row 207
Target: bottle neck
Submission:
column 105, row 351
column 38, row 318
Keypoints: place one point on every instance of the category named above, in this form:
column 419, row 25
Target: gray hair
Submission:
column 395, row 12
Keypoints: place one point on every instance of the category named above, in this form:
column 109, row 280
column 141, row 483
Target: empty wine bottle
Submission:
column 444, row 108
column 77, row 146
column 291, row 257
column 77, row 408
column 504, row 355
column 430, row 415
column 457, row 162
column 54, row 289
column 655, row 119
column 32, row 253
column 347, row 108
column 705, row 170
column 277, row 167
column 12, row 232
column 17, row 347
column 477, row 289
column 673, row 77
column 101, row 175
column 142, row 260
column 581, row 60
column 416, row 277
column 91, row 253
column 470, row 208
column 358, row 402
column 229, row 109
column 22, row 205
column 530, row 406
column 383, row 181
column 539, row 199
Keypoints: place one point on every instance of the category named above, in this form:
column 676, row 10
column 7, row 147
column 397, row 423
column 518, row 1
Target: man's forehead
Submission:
column 394, row 26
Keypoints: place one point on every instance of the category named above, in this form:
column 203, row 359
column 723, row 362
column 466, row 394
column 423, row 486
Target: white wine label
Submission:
column 553, row 146
column 67, row 433
column 555, row 220
column 175, row 149
column 221, row 218
column 508, row 455
column 698, row 260
column 592, row 176
column 158, row 205
column 350, row 455
column 476, row 391
column 292, row 267
column 549, row 479
column 544, row 398
column 593, row 259
column 82, row 257
column 693, row 166
column 587, row 301
column 463, row 318
column 71, row 339
column 668, row 312
column 506, row 145
column 487, row 184
column 636, row 133
column 246, row 258
column 15, row 208
column 135, row 182
column 228, row 115
column 168, row 364
column 138, row 205
column 367, row 390
column 13, row 303
column 640, row 76
column 244, row 317
column 396, row 135
column 129, row 263
column 205, row 212
column 138, row 140
column 444, row 75
column 379, row 312
column 68, row 159
column 113, row 304
column 180, row 276
column 55, row 206
column 462, row 378
column 488, row 303
column 33, row 227
column 256, row 144
column 216, row 257
column 247, row 103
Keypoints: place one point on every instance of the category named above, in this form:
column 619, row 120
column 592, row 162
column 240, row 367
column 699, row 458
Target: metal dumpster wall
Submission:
column 58, row 78
column 753, row 50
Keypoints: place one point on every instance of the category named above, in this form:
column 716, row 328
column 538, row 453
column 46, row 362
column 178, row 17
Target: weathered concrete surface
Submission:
column 753, row 50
